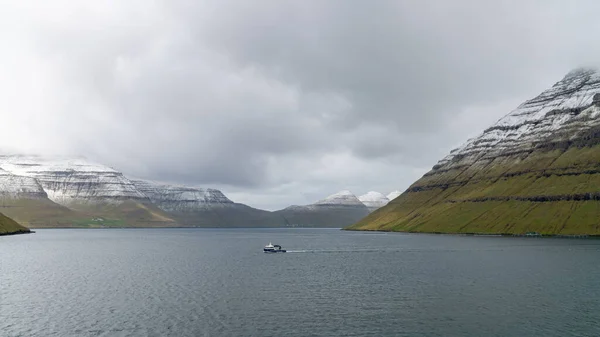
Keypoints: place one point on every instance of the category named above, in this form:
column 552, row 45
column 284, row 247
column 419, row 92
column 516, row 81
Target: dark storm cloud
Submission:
column 278, row 101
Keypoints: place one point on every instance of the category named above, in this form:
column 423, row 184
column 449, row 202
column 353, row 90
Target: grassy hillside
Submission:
column 10, row 226
column 43, row 213
column 549, row 191
column 126, row 214
column 37, row 213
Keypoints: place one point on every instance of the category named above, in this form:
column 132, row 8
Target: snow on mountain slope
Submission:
column 92, row 190
column 393, row 195
column 373, row 200
column 536, row 170
column 180, row 198
column 199, row 207
column 567, row 109
column 14, row 186
column 342, row 198
column 68, row 181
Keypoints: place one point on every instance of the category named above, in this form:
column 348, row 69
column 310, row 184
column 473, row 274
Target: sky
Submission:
column 277, row 102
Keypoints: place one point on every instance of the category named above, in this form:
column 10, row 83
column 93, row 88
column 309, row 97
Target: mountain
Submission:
column 535, row 170
column 73, row 181
column 374, row 200
column 25, row 200
column 49, row 192
column 64, row 192
column 337, row 210
column 9, row 226
column 42, row 191
column 198, row 207
column 393, row 195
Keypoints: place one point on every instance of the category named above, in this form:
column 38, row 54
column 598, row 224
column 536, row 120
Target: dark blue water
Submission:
column 208, row 282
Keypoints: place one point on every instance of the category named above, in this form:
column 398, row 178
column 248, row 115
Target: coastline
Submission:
column 18, row 232
column 534, row 235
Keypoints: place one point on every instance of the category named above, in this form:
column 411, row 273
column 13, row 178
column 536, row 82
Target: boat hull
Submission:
column 274, row 250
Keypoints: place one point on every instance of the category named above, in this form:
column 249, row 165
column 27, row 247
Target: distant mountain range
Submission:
column 333, row 211
column 40, row 191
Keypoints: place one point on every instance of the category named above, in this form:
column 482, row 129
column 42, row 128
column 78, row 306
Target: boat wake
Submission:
column 338, row 251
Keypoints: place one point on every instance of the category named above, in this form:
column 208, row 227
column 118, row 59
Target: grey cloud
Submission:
column 397, row 62
column 278, row 101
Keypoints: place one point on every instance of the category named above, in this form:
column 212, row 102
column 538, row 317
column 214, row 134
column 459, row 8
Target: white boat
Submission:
column 271, row 248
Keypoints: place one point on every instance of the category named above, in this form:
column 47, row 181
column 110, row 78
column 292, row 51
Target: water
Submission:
column 211, row 282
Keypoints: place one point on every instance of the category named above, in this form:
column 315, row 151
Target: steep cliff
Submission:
column 73, row 181
column 535, row 170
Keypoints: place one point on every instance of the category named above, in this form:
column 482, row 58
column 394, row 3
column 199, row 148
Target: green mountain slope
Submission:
column 44, row 213
column 536, row 170
column 40, row 212
column 10, row 226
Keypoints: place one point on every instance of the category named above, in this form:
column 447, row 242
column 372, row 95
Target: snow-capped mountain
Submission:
column 337, row 210
column 181, row 198
column 43, row 191
column 373, row 200
column 393, row 195
column 565, row 111
column 535, row 170
column 67, row 181
column 339, row 199
column 204, row 207
column 14, row 187
column 47, row 191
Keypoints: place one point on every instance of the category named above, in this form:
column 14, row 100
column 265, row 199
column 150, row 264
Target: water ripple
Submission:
column 202, row 282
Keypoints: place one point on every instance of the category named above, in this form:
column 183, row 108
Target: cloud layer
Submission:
column 277, row 102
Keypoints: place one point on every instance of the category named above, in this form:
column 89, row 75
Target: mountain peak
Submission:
column 341, row 193
column 565, row 111
column 372, row 196
column 535, row 170
column 581, row 71
column 374, row 200
column 341, row 198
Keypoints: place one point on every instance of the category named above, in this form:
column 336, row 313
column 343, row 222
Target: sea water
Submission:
column 218, row 282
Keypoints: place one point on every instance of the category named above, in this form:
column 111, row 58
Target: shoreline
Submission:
column 18, row 232
column 533, row 235
column 180, row 227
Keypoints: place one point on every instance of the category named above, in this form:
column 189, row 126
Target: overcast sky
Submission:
column 277, row 102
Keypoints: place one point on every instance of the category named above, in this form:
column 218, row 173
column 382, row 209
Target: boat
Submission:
column 271, row 248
